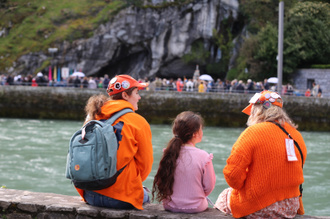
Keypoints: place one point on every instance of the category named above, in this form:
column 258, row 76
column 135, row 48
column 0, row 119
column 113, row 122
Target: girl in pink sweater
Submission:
column 185, row 175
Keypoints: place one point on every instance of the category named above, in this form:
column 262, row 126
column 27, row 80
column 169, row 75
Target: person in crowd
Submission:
column 319, row 91
column 134, row 150
column 41, row 80
column 179, row 85
column 289, row 90
column 258, row 87
column 70, row 81
column 240, row 87
column 266, row 85
column 173, row 85
column 106, row 81
column 190, row 85
column 10, row 80
column 233, row 86
column 210, row 85
column 185, row 176
column 264, row 170
column 308, row 93
column 84, row 83
column 250, row 86
column 147, row 81
column 201, row 87
column 92, row 83
column 34, row 83
column 227, row 86
column 100, row 84
column 77, row 82
column 314, row 90
column 97, row 81
column 158, row 83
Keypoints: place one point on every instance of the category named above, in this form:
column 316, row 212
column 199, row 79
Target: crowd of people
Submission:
column 189, row 85
column 264, row 170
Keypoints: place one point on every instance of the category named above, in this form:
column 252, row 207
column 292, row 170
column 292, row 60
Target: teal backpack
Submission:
column 91, row 162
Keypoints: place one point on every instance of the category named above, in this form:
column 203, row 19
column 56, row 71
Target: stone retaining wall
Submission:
column 158, row 107
column 17, row 204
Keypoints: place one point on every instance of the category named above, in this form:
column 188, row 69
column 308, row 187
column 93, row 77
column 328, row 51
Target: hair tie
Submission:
column 176, row 136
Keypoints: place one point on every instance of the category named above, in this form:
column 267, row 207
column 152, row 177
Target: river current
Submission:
column 33, row 157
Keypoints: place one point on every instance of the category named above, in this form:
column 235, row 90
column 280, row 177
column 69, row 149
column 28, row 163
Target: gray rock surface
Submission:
column 19, row 204
column 141, row 42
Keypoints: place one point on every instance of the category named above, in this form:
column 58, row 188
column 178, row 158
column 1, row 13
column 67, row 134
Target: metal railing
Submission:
column 214, row 89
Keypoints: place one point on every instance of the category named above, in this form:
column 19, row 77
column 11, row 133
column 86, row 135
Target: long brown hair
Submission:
column 184, row 126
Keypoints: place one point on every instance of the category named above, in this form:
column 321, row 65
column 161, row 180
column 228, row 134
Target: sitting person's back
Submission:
column 134, row 154
column 185, row 175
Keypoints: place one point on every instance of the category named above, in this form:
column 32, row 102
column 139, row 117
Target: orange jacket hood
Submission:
column 111, row 107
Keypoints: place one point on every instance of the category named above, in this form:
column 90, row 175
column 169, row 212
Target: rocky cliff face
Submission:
column 142, row 42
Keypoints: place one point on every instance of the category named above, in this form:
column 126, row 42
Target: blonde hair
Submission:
column 260, row 114
column 95, row 103
column 93, row 106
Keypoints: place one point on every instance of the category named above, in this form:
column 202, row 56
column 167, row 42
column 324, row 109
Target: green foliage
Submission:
column 306, row 41
column 260, row 12
column 320, row 66
column 310, row 11
column 224, row 41
column 39, row 24
column 197, row 55
column 232, row 74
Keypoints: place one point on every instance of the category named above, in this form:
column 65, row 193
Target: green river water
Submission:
column 33, row 157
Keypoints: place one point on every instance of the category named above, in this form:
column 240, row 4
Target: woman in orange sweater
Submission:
column 264, row 170
column 134, row 150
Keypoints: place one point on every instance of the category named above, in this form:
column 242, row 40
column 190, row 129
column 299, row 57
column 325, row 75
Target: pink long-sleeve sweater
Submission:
column 194, row 179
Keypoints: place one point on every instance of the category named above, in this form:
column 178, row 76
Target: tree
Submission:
column 306, row 42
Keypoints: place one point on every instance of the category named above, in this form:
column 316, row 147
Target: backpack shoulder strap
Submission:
column 118, row 114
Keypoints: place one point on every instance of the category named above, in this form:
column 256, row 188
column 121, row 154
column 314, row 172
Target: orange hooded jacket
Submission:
column 135, row 150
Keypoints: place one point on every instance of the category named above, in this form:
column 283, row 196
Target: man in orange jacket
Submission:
column 135, row 147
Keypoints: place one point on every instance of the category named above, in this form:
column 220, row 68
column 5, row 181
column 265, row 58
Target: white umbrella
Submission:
column 78, row 73
column 272, row 80
column 206, row 78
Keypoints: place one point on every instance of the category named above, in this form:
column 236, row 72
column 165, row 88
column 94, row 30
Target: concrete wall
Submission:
column 320, row 76
column 27, row 205
column 160, row 107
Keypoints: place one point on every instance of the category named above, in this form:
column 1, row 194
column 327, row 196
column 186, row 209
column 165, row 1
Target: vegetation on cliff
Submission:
column 36, row 25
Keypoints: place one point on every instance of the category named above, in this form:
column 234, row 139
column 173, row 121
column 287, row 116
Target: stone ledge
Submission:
column 24, row 204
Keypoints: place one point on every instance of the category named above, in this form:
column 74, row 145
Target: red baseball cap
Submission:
column 266, row 98
column 121, row 83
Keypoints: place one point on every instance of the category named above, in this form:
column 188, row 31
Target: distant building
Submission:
column 304, row 78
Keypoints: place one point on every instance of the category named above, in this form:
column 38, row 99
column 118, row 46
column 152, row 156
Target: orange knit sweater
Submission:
column 258, row 170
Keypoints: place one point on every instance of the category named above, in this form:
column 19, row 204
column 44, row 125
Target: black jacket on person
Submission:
column 10, row 80
column 77, row 82
column 106, row 82
column 240, row 88
column 85, row 83
column 41, row 81
column 250, row 87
